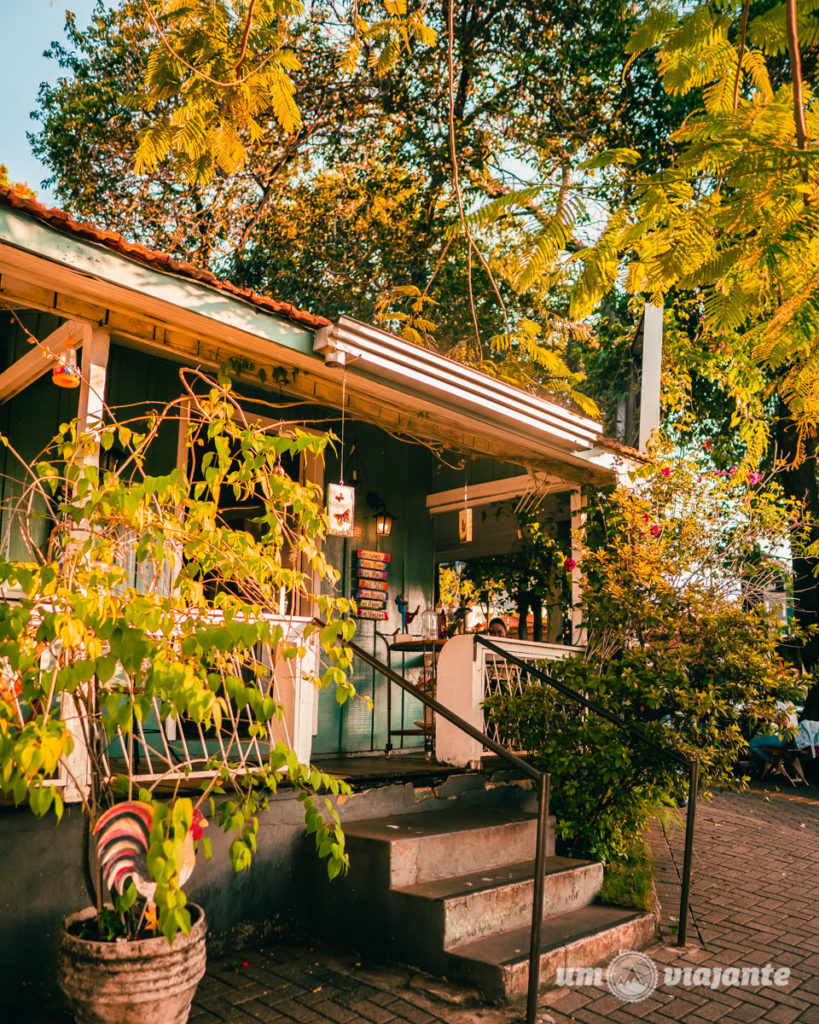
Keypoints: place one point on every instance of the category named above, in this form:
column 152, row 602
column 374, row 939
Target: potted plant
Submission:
column 147, row 619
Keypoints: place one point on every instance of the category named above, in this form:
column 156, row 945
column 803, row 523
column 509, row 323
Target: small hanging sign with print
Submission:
column 465, row 525
column 341, row 510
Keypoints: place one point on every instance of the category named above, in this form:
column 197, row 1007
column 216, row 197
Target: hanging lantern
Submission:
column 66, row 373
column 383, row 524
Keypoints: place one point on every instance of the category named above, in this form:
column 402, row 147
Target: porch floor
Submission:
column 400, row 766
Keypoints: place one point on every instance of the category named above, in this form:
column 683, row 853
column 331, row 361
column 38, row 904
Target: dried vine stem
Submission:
column 453, row 149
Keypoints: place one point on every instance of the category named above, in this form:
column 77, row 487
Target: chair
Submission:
column 780, row 758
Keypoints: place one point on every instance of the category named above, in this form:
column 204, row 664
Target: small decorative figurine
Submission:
column 406, row 616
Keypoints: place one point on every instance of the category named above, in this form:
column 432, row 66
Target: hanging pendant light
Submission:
column 66, row 373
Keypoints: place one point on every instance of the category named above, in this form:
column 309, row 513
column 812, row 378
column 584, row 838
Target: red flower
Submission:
column 569, row 564
column 666, row 471
column 655, row 529
column 707, row 446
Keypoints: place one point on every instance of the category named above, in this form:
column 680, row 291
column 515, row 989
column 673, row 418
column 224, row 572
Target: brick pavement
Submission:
column 315, row 985
column 754, row 901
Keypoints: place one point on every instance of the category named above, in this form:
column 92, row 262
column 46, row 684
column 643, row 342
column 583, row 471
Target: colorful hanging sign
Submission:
column 370, row 563
column 373, row 574
column 341, row 510
column 372, row 571
column 376, row 585
column 376, row 556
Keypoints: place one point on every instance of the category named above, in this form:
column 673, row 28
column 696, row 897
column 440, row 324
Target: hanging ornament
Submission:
column 465, row 520
column 66, row 373
column 341, row 509
column 341, row 499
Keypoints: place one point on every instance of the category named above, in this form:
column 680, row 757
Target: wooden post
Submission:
column 95, row 349
column 652, row 369
column 578, row 521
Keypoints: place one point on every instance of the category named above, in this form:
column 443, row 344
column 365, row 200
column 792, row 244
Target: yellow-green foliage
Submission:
column 733, row 223
column 226, row 65
column 188, row 636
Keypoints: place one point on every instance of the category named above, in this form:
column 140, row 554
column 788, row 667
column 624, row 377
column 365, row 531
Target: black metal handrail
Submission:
column 542, row 781
column 633, row 730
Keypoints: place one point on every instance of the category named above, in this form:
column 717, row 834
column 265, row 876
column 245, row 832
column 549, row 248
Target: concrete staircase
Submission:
column 450, row 891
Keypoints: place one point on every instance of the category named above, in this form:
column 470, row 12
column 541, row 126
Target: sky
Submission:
column 28, row 27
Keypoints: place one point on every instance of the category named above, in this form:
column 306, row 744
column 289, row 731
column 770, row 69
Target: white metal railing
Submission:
column 166, row 749
column 467, row 674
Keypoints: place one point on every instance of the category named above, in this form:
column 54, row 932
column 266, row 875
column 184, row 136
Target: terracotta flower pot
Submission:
column 144, row 982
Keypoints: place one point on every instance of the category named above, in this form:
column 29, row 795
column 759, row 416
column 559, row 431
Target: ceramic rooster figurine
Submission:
column 122, row 835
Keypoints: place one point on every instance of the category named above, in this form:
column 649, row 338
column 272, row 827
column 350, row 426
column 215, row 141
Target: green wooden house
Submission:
column 424, row 438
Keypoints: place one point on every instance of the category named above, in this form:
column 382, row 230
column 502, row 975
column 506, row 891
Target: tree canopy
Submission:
column 352, row 199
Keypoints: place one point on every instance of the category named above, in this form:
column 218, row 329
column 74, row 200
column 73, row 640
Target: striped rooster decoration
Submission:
column 123, row 834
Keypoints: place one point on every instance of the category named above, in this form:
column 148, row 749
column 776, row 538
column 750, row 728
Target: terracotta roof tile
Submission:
column 62, row 221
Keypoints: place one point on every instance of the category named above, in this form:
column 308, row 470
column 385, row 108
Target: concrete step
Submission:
column 498, row 964
column 454, row 909
column 440, row 844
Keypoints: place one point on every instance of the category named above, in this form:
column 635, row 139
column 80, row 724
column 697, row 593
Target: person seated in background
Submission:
column 802, row 735
column 496, row 627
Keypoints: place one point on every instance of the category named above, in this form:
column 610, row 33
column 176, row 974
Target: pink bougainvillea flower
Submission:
column 655, row 529
column 569, row 564
column 646, row 517
column 707, row 446
column 666, row 471
column 754, row 478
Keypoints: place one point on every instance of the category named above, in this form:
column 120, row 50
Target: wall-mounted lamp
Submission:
column 383, row 524
column 383, row 518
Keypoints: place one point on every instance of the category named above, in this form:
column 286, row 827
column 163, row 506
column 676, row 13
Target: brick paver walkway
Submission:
column 754, row 900
column 315, row 985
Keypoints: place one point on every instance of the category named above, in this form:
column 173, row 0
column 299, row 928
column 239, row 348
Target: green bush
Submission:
column 679, row 645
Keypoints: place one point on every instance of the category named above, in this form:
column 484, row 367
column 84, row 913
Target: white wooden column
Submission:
column 578, row 522
column 652, row 370
column 95, row 348
column 75, row 768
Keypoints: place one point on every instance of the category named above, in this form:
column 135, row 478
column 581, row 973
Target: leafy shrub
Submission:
column 680, row 645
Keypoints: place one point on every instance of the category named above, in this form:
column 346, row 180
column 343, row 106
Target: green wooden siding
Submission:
column 400, row 474
column 29, row 421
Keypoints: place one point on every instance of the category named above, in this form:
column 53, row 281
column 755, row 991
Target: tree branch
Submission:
column 245, row 36
column 796, row 76
column 743, row 31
